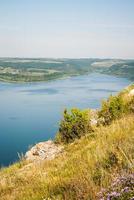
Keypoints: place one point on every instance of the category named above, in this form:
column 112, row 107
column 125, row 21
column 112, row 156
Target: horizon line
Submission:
column 41, row 57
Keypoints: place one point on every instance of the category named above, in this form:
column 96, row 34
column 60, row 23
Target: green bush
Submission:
column 74, row 124
column 130, row 105
column 112, row 109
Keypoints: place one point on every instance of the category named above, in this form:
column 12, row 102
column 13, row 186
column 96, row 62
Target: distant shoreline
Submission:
column 24, row 82
column 43, row 70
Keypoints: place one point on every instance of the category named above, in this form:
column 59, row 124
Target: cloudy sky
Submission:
column 67, row 28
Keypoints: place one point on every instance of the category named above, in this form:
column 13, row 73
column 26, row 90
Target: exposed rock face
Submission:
column 131, row 93
column 43, row 151
column 94, row 117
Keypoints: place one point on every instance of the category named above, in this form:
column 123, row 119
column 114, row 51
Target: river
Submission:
column 30, row 113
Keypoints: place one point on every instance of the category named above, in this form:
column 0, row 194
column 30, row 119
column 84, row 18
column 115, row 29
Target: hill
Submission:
column 44, row 69
column 122, row 68
column 96, row 163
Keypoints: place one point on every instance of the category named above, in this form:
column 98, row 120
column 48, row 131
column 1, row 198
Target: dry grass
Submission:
column 80, row 172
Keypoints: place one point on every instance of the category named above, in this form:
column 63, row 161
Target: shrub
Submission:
column 112, row 109
column 130, row 105
column 74, row 124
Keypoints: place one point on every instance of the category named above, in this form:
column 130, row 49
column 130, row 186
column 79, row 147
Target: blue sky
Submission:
column 67, row 28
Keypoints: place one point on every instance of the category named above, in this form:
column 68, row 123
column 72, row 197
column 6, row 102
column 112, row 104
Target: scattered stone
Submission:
column 44, row 151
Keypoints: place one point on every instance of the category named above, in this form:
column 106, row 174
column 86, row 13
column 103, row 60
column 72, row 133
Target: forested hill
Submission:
column 45, row 69
column 122, row 68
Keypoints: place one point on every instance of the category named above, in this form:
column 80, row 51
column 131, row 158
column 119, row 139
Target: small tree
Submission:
column 112, row 109
column 74, row 124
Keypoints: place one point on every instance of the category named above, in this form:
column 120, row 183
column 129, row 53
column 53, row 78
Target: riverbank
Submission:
column 18, row 70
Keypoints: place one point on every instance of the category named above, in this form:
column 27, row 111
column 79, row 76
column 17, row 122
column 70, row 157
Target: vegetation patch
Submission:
column 90, row 168
column 74, row 125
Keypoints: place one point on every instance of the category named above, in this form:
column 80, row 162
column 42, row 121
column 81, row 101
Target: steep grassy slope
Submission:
column 81, row 171
column 87, row 165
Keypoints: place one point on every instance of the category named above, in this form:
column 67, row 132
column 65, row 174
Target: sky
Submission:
column 67, row 28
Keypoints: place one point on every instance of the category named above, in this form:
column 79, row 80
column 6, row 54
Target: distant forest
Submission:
column 44, row 69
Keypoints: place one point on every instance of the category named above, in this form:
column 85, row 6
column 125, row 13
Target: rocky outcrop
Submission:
column 94, row 117
column 44, row 151
column 131, row 93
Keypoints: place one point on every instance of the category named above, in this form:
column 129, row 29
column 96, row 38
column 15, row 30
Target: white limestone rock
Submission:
column 43, row 151
column 131, row 93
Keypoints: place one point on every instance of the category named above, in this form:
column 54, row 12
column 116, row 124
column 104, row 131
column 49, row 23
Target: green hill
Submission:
column 44, row 69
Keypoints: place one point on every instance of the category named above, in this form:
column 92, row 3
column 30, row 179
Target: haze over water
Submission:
column 30, row 113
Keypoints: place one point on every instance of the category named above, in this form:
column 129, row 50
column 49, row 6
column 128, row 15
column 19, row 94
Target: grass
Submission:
column 80, row 172
column 85, row 167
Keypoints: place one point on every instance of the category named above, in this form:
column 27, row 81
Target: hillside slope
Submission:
column 79, row 173
column 44, row 69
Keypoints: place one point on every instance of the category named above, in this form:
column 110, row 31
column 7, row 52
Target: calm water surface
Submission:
column 30, row 113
